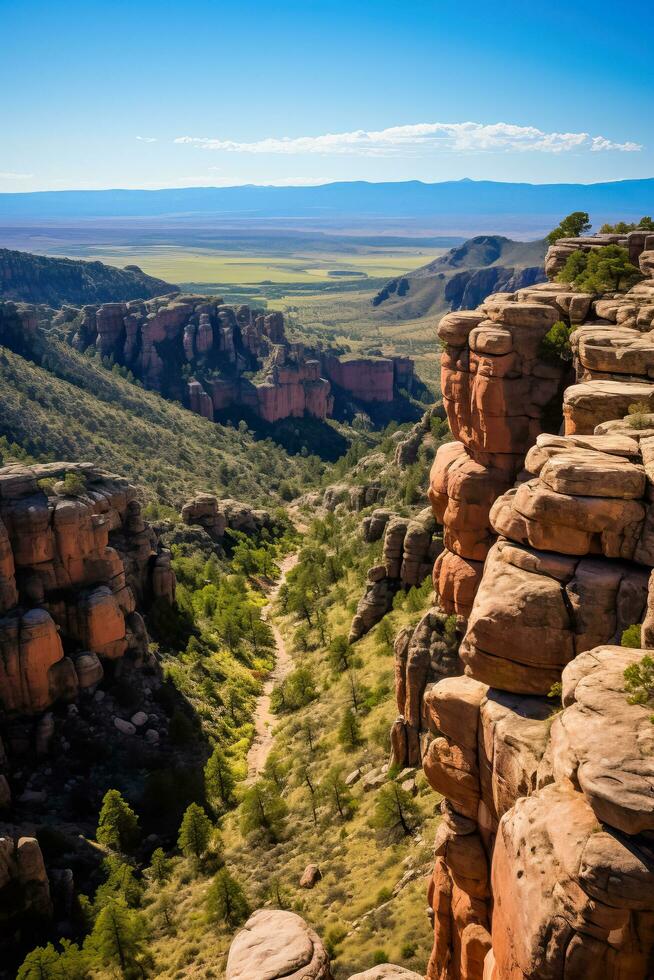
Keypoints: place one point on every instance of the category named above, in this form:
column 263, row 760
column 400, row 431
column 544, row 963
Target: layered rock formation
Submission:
column 544, row 864
column 410, row 547
column 76, row 558
column 498, row 390
column 214, row 358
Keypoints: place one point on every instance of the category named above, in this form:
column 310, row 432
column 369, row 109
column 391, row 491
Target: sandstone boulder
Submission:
column 274, row 944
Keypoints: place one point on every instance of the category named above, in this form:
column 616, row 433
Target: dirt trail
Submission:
column 263, row 716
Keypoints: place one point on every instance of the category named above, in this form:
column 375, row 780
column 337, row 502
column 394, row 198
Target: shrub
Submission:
column 600, row 270
column 639, row 682
column 379, row 956
column 555, row 345
column 631, row 637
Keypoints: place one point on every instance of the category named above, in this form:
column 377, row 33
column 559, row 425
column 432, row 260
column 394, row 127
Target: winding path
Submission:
column 263, row 716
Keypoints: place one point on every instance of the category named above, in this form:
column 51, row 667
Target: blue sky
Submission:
column 146, row 94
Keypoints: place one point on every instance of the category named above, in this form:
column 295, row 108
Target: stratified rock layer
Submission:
column 544, row 859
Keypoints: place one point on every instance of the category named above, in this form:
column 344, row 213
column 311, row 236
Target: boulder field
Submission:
column 543, row 761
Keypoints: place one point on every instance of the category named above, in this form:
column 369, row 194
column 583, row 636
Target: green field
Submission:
column 218, row 267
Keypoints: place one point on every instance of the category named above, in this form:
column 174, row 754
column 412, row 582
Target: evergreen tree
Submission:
column 159, row 867
column 337, row 794
column 43, row 963
column 340, row 653
column 263, row 809
column 396, row 813
column 606, row 269
column 118, row 938
column 219, row 778
column 349, row 731
column 572, row 226
column 226, row 901
column 117, row 823
column 195, row 832
column 120, row 882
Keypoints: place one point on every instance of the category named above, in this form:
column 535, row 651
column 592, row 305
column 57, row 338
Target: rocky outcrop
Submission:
column 354, row 498
column 25, row 892
column 410, row 546
column 222, row 346
column 275, row 944
column 497, row 390
column 76, row 559
column 387, row 971
column 544, row 865
column 219, row 516
column 406, row 451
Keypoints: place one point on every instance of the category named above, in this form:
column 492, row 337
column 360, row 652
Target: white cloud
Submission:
column 8, row 175
column 147, row 139
column 419, row 139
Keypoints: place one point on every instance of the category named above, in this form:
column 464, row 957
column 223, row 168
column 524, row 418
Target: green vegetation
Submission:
column 623, row 227
column 117, row 823
column 631, row 637
column 195, row 833
column 639, row 682
column 70, row 407
column 600, row 270
column 226, row 901
column 572, row 226
column 639, row 415
column 555, row 345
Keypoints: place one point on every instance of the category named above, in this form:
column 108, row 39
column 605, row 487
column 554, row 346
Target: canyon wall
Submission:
column 544, row 866
column 214, row 357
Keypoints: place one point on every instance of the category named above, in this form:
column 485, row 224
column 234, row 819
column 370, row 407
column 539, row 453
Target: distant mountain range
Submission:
column 462, row 278
column 450, row 205
column 53, row 281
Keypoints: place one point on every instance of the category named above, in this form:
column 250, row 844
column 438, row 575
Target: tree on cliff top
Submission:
column 601, row 270
column 572, row 226
column 117, row 824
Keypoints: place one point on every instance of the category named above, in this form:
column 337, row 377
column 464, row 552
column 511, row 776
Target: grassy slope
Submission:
column 359, row 869
column 79, row 410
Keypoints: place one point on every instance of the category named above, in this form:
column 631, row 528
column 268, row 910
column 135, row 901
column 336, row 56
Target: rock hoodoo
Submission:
column 76, row 558
column 214, row 357
column 544, row 865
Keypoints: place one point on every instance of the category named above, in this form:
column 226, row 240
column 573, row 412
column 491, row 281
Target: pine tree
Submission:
column 195, row 832
column 117, row 824
column 349, row 731
column 337, row 794
column 263, row 809
column 219, row 778
column 118, row 937
column 226, row 901
column 572, row 226
column 159, row 866
column 43, row 963
column 396, row 813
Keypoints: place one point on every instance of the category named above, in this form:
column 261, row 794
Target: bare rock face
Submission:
column 544, row 859
column 273, row 945
column 584, row 602
column 73, row 566
column 497, row 390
